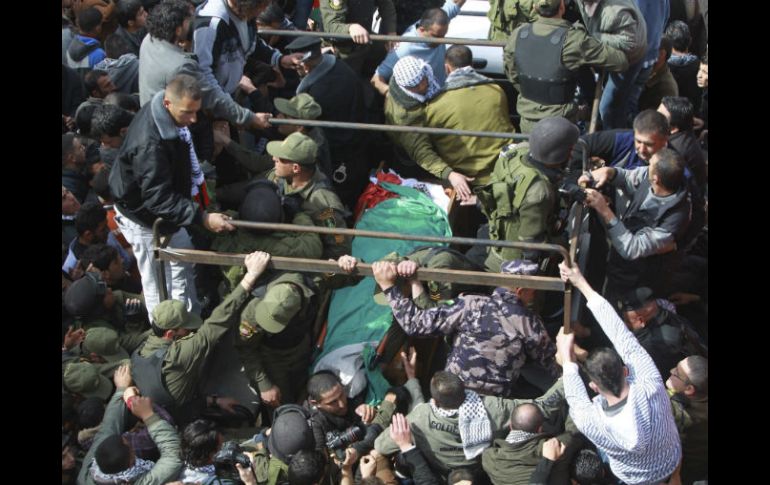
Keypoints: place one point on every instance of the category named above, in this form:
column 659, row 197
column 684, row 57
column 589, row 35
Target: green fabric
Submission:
column 353, row 315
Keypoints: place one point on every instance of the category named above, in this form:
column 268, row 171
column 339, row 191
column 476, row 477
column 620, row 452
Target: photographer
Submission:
column 336, row 425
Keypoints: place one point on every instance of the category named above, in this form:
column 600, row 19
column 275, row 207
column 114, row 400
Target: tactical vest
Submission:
column 542, row 76
column 502, row 197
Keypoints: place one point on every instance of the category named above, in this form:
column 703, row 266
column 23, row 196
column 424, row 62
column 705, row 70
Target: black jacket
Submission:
column 151, row 176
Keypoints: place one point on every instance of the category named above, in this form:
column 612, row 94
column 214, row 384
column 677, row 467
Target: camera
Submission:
column 337, row 441
column 573, row 192
column 226, row 458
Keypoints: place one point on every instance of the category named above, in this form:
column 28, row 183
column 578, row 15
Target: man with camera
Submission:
column 520, row 200
column 337, row 426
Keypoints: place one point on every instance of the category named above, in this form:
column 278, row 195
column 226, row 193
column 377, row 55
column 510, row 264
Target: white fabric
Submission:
column 197, row 173
column 348, row 364
column 126, row 476
column 409, row 71
column 473, row 422
column 179, row 276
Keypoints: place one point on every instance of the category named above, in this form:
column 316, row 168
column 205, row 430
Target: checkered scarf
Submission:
column 475, row 428
column 126, row 476
column 197, row 174
column 409, row 71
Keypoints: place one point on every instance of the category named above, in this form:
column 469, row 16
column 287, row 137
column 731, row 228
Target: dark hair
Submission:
column 547, row 10
column 127, row 10
column 459, row 56
column 679, row 33
column 320, row 383
column 166, row 17
column 90, row 412
column 101, row 184
column 273, row 13
column 126, row 101
column 67, row 145
column 605, row 368
column 184, row 86
column 306, row 467
column 112, row 455
column 433, row 16
column 459, row 475
column 650, row 121
column 665, row 45
column 88, row 218
column 669, row 169
column 705, row 58
column 89, row 19
column 109, row 119
column 100, row 255
column 527, row 417
column 587, row 468
column 91, row 79
column 447, row 390
column 681, row 110
column 200, row 440
column 699, row 373
column 83, row 117
column 115, row 46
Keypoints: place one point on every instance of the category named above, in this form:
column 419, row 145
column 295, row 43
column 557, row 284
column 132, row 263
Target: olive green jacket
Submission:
column 183, row 363
column 506, row 15
column 580, row 49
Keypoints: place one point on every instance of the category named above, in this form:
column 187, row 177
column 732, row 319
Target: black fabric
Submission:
column 542, row 75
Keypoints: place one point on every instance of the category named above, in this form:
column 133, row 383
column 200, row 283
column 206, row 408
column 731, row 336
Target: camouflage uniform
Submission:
column 506, row 15
column 337, row 16
column 321, row 203
column 519, row 202
column 493, row 335
column 437, row 257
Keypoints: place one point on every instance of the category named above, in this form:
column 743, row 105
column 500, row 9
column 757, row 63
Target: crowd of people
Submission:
column 179, row 119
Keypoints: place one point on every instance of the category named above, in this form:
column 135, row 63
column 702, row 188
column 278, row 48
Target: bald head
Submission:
column 527, row 417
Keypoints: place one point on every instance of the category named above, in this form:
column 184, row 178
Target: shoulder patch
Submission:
column 336, row 4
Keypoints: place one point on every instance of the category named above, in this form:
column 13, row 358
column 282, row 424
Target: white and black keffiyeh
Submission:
column 409, row 71
column 129, row 475
column 473, row 422
column 517, row 436
column 197, row 173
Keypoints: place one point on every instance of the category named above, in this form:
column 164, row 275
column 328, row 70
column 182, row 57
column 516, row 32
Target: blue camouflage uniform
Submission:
column 493, row 335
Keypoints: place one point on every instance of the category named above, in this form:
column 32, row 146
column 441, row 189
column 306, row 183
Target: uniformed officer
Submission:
column 304, row 107
column 169, row 368
column 520, row 202
column 262, row 203
column 432, row 257
column 354, row 17
column 302, row 185
column 542, row 61
column 493, row 335
column 506, row 15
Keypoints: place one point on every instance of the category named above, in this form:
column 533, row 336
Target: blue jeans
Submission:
column 615, row 100
column 632, row 108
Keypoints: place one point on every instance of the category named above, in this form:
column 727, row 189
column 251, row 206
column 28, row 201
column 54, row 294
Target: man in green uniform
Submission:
column 544, row 67
column 521, row 201
column 276, row 328
column 354, row 17
column 506, row 15
column 308, row 190
column 262, row 203
column 170, row 366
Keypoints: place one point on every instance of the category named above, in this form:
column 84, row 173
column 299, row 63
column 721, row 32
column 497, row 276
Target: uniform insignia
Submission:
column 337, row 4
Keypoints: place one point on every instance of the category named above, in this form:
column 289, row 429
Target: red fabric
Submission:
column 374, row 193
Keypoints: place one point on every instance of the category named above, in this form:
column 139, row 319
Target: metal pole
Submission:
column 398, row 128
column 554, row 248
column 384, row 38
column 159, row 244
column 323, row 266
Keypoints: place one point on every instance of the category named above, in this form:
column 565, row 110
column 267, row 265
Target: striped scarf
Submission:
column 197, row 173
